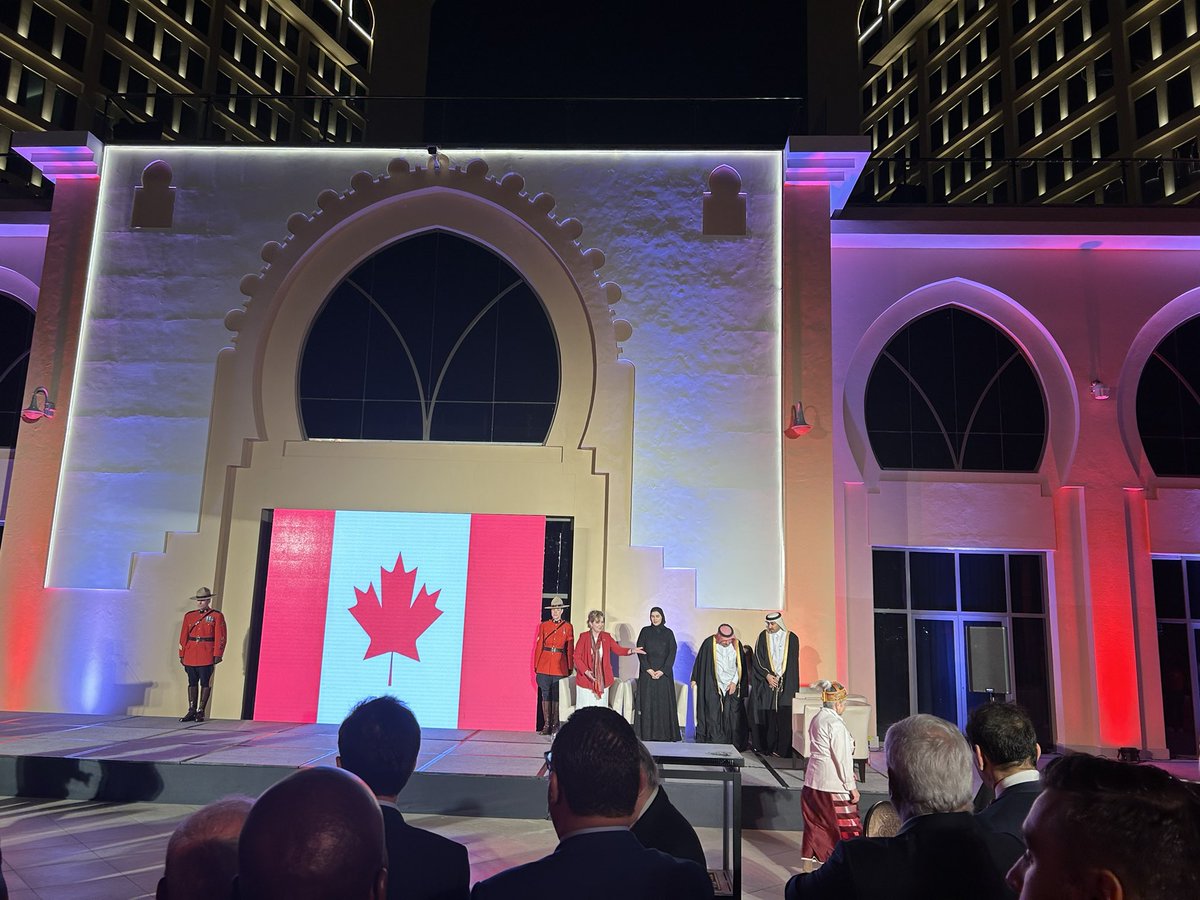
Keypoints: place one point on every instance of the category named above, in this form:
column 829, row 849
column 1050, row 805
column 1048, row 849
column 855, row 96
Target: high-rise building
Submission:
column 276, row 70
column 1003, row 101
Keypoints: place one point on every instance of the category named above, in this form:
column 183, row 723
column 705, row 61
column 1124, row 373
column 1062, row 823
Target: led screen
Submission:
column 437, row 609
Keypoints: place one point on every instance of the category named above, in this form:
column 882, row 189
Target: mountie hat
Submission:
column 202, row 594
column 556, row 603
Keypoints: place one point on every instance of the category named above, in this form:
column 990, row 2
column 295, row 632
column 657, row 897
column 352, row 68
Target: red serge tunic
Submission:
column 207, row 624
column 553, row 647
column 594, row 655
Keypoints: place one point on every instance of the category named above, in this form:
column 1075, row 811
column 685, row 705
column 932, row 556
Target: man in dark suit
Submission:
column 592, row 791
column 941, row 852
column 315, row 835
column 1006, row 754
column 659, row 825
column 379, row 742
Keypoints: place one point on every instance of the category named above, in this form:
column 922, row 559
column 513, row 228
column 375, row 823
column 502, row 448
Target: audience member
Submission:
column 202, row 852
column 1006, row 754
column 592, row 792
column 941, row 851
column 659, row 825
column 316, row 835
column 379, row 742
column 1106, row 830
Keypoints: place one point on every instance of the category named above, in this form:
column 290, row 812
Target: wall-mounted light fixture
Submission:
column 1100, row 390
column 799, row 426
column 33, row 412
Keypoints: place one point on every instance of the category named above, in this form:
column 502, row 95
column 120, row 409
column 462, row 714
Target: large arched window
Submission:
column 16, row 336
column 434, row 338
column 950, row 391
column 1168, row 404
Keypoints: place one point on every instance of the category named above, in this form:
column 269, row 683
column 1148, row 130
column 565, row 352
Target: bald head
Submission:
column 202, row 852
column 316, row 834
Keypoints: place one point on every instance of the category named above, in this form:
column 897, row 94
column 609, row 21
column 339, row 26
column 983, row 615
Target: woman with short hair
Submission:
column 829, row 799
column 593, row 666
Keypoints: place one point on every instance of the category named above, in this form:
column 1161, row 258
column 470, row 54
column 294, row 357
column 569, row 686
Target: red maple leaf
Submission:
column 394, row 621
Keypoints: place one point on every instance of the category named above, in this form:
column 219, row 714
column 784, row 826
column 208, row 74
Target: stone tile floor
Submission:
column 68, row 849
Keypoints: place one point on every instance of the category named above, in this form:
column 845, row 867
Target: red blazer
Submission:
column 584, row 660
column 208, row 623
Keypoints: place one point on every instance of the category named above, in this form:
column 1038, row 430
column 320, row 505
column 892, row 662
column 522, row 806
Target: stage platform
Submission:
column 499, row 774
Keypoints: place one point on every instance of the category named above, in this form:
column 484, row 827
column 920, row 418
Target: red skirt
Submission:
column 827, row 820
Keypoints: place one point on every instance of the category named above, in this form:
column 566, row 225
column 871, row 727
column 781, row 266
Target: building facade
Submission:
column 1031, row 101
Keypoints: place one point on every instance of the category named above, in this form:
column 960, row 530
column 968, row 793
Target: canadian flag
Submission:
column 436, row 609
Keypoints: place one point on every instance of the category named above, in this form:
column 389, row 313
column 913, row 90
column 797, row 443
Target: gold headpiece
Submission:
column 835, row 694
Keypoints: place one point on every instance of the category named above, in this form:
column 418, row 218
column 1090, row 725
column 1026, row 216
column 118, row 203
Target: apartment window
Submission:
column 1106, row 131
column 287, row 82
column 41, row 27
column 10, row 14
column 1139, row 48
column 1097, row 14
column 1172, row 27
column 1051, row 110
column 1047, row 50
column 1023, row 68
column 1145, row 113
column 995, row 90
column 1073, row 31
column 195, row 68
column 179, row 7
column 953, row 70
column 1103, row 73
column 1179, row 95
column 975, row 105
column 992, row 37
column 137, row 84
column 1025, row 132
column 110, row 72
column 171, row 52
column 325, row 17
column 1077, row 90
column 143, row 32
column 74, row 47
column 201, row 15
column 118, row 16
column 974, row 54
column 228, row 38
column 954, row 120
column 868, row 97
column 291, row 36
column 1020, row 15
column 274, row 20
column 1081, row 147
column 269, row 68
column 247, row 52
column 31, row 91
column 997, row 142
column 935, row 83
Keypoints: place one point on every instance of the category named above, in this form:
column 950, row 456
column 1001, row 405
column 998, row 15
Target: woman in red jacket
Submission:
column 593, row 663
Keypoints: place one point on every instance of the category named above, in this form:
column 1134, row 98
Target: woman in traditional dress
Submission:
column 553, row 649
column 829, row 800
column 593, row 666
column 657, row 709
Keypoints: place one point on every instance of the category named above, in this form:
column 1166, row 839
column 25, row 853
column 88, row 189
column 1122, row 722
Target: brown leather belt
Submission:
column 210, row 640
column 544, row 647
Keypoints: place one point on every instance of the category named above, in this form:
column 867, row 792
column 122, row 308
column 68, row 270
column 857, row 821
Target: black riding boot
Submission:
column 205, row 693
column 191, row 713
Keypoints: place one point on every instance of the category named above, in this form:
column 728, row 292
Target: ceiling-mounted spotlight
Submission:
column 33, row 412
column 799, row 426
column 1100, row 390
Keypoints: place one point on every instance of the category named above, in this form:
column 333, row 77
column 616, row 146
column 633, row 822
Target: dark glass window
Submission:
column 1109, row 142
column 31, row 91
column 432, row 338
column 992, row 36
column 64, row 106
column 1077, row 90
column 931, row 580
column 1103, row 71
column 74, row 47
column 1173, row 27
column 1168, row 589
column 1168, row 406
column 1073, row 30
column 974, row 54
column 1098, row 13
column 143, row 32
column 997, row 139
column 1031, row 674
column 1025, row 583
column 975, row 105
column 1139, row 48
column 981, row 582
column 889, row 579
column 1051, row 110
column 16, row 336
column 118, row 16
column 110, row 72
column 41, row 27
column 325, row 16
column 172, row 50
column 1023, row 68
column 935, row 83
column 1145, row 113
column 1179, row 714
column 1179, row 95
column 952, row 392
column 891, row 669
column 195, row 68
column 933, row 645
column 1047, row 51
column 10, row 15
column 1020, row 15
column 201, row 15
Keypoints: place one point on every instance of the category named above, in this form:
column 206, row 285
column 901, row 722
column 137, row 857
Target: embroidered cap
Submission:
column 835, row 693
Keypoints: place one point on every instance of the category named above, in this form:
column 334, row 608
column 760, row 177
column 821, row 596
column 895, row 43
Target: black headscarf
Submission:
column 658, row 609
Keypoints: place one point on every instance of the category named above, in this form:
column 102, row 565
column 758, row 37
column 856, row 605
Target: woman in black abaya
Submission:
column 657, row 712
